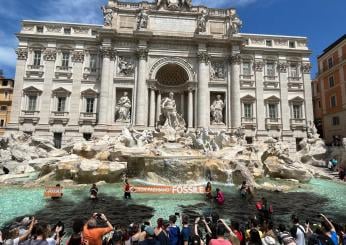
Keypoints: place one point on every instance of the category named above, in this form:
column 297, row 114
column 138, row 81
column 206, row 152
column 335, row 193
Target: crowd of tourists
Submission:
column 178, row 230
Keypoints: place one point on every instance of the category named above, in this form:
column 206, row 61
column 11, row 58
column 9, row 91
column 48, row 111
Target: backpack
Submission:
column 294, row 230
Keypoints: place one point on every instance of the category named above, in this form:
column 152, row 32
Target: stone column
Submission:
column 22, row 56
column 309, row 115
column 203, row 97
column 107, row 54
column 46, row 97
column 111, row 91
column 158, row 106
column 142, row 89
column 77, row 59
column 190, row 109
column 152, row 108
column 285, row 108
column 182, row 108
column 260, row 110
column 235, row 91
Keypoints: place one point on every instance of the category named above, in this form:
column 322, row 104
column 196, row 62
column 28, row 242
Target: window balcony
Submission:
column 270, row 78
column 295, row 86
column 246, row 77
column 273, row 123
column 249, row 122
column 59, row 117
column 271, row 85
column 29, row 116
column 298, row 123
column 294, row 78
column 90, row 73
column 35, row 71
column 63, row 72
column 88, row 118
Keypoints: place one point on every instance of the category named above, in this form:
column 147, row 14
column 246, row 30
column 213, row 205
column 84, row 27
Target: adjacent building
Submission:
column 79, row 80
column 6, row 92
column 329, row 92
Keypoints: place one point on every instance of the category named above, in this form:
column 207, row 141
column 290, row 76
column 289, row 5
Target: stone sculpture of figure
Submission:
column 186, row 3
column 125, row 67
column 216, row 110
column 235, row 24
column 202, row 22
column 107, row 16
column 169, row 110
column 123, row 108
column 142, row 20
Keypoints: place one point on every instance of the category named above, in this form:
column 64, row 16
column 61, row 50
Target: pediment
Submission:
column 248, row 98
column 297, row 99
column 272, row 98
column 61, row 90
column 89, row 92
column 32, row 90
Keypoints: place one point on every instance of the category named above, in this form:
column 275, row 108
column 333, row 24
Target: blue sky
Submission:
column 322, row 21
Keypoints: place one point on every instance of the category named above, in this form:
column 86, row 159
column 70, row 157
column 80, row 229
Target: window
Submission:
column 298, row 141
column 3, row 108
column 333, row 101
column 294, row 70
column 2, row 123
column 270, row 69
column 248, row 110
column 297, row 111
column 335, row 121
column 37, row 58
column 292, row 44
column 331, row 81
column 67, row 31
column 32, row 103
column 93, row 64
column 65, row 60
column 317, row 88
column 269, row 43
column 6, row 95
column 4, row 83
column 246, row 68
column 90, row 105
column 319, row 104
column 87, row 136
column 330, row 62
column 61, row 104
column 39, row 29
column 93, row 32
column 273, row 111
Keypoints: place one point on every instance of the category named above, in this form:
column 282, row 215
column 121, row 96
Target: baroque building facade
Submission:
column 6, row 92
column 78, row 80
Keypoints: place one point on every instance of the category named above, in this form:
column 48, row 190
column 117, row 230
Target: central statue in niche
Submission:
column 169, row 116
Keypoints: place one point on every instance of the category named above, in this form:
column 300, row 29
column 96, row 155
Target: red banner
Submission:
column 180, row 189
column 55, row 191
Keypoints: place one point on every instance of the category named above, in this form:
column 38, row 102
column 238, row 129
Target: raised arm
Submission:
column 206, row 226
column 28, row 232
column 228, row 228
column 328, row 221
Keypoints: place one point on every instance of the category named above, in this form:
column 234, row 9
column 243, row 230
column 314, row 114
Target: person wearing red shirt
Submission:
column 127, row 190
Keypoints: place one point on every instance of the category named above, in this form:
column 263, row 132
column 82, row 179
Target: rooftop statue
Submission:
column 174, row 4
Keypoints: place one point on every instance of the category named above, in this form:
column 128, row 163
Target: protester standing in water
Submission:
column 208, row 191
column 93, row 192
column 127, row 190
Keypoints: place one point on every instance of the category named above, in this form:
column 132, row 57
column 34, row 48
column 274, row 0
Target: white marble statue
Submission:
column 169, row 116
column 235, row 24
column 174, row 4
column 142, row 20
column 202, row 22
column 216, row 110
column 122, row 110
column 107, row 16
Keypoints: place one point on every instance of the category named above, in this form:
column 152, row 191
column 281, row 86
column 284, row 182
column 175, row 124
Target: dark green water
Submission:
column 316, row 197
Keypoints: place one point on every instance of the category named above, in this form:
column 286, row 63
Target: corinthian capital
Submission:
column 22, row 53
column 282, row 66
column 78, row 56
column 49, row 54
column 259, row 64
column 235, row 59
column 142, row 53
column 203, row 56
column 108, row 52
column 306, row 67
